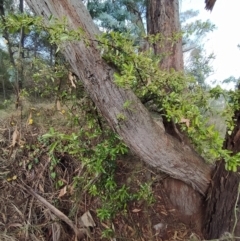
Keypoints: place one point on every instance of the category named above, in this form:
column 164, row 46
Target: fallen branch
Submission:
column 80, row 233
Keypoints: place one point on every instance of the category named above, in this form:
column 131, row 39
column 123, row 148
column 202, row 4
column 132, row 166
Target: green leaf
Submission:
column 234, row 168
column 53, row 175
column 53, row 146
column 64, row 37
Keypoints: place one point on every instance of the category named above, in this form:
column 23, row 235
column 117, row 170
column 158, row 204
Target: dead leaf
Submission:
column 186, row 121
column 56, row 231
column 135, row 210
column 129, row 228
column 30, row 120
column 87, row 220
column 71, row 189
column 14, row 177
column 184, row 233
column 63, row 191
column 41, row 188
column 236, row 137
column 164, row 213
column 105, row 225
column 58, row 105
column 4, row 218
column 15, row 137
column 71, row 78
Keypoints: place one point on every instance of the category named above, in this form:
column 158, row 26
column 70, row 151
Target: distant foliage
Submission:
column 120, row 16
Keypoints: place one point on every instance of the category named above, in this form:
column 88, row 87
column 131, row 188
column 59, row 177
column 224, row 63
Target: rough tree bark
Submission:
column 163, row 18
column 222, row 211
column 138, row 130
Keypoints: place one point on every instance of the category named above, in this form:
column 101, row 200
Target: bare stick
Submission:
column 79, row 232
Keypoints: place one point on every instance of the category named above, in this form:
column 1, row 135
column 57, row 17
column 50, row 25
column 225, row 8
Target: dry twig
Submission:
column 80, row 233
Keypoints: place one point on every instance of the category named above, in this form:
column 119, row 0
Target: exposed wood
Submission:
column 138, row 130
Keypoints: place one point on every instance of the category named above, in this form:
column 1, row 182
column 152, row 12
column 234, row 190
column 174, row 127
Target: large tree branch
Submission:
column 138, row 130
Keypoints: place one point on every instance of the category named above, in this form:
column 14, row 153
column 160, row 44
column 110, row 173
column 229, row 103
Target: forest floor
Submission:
column 34, row 207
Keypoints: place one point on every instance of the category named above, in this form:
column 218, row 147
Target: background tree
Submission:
column 28, row 51
column 6, row 87
column 119, row 16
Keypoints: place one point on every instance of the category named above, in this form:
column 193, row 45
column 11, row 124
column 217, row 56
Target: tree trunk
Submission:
column 222, row 215
column 6, row 34
column 163, row 18
column 21, row 51
column 222, row 209
column 10, row 51
column 138, row 130
column 2, row 76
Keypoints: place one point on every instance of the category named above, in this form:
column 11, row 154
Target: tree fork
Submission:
column 138, row 130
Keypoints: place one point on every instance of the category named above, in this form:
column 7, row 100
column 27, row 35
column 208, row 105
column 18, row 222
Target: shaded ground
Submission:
column 25, row 163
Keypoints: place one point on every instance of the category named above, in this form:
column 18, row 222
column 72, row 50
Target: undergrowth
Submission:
column 97, row 150
column 73, row 129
